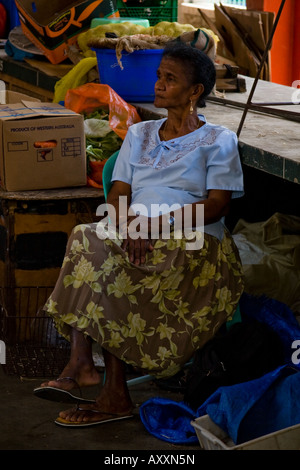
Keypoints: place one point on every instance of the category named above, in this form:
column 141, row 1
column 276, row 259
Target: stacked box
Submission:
column 53, row 26
column 34, row 230
column 33, row 236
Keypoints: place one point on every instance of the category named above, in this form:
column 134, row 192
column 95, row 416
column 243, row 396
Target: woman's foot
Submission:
column 80, row 369
column 108, row 405
column 82, row 375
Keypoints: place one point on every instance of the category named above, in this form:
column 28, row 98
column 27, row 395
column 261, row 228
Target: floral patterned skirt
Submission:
column 152, row 316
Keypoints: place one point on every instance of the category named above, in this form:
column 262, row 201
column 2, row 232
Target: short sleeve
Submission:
column 224, row 169
column 122, row 169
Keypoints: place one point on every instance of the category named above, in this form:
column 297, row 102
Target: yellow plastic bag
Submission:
column 76, row 77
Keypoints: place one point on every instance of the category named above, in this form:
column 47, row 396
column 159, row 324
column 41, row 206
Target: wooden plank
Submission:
column 231, row 84
column 15, row 84
column 222, row 48
column 244, row 56
column 226, row 71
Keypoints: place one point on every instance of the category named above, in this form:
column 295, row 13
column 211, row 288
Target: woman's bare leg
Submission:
column 80, row 367
column 114, row 396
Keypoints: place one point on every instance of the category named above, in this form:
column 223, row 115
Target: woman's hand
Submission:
column 136, row 242
column 137, row 249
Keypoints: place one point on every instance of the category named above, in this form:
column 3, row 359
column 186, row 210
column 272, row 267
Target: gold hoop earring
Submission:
column 191, row 108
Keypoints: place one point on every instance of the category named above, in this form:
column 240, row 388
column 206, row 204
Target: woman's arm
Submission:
column 120, row 197
column 119, row 193
column 215, row 207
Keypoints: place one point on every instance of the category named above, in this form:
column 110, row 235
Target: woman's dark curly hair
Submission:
column 197, row 64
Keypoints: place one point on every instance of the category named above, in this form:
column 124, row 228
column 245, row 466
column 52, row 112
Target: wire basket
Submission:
column 33, row 346
column 154, row 11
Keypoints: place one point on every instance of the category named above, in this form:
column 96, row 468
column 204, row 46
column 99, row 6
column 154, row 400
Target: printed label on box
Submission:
column 20, row 146
column 71, row 147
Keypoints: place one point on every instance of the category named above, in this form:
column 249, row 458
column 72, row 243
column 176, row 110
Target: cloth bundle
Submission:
column 201, row 40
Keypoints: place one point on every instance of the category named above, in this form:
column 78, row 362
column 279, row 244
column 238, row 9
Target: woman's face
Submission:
column 173, row 88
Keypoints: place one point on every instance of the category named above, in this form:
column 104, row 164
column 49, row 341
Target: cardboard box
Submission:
column 52, row 25
column 43, row 146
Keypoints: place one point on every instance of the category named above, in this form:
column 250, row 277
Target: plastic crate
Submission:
column 212, row 437
column 154, row 11
column 100, row 21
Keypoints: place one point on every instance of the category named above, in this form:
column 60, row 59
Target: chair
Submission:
column 107, row 173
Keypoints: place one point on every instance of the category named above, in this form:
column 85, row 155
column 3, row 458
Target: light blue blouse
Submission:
column 179, row 171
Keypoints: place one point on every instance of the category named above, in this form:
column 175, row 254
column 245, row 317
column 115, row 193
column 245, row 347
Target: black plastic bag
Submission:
column 248, row 350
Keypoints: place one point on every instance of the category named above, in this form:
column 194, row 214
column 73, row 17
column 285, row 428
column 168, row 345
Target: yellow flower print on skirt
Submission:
column 152, row 316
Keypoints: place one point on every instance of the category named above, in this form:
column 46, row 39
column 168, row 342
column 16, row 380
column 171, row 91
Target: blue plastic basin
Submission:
column 135, row 83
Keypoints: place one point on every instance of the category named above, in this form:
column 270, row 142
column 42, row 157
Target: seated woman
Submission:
column 152, row 303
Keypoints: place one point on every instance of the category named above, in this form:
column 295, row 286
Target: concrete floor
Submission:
column 27, row 422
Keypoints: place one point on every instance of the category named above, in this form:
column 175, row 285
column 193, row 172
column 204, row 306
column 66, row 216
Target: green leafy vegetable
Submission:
column 101, row 140
column 96, row 127
column 102, row 148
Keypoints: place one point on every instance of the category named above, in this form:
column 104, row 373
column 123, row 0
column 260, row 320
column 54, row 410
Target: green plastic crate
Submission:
column 154, row 11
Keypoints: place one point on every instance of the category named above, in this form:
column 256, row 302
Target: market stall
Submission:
column 57, row 72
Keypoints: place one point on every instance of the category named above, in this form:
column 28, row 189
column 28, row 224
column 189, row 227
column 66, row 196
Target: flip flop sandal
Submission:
column 59, row 395
column 84, row 424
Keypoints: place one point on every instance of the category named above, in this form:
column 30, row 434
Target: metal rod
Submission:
column 285, row 114
column 272, row 103
column 263, row 59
